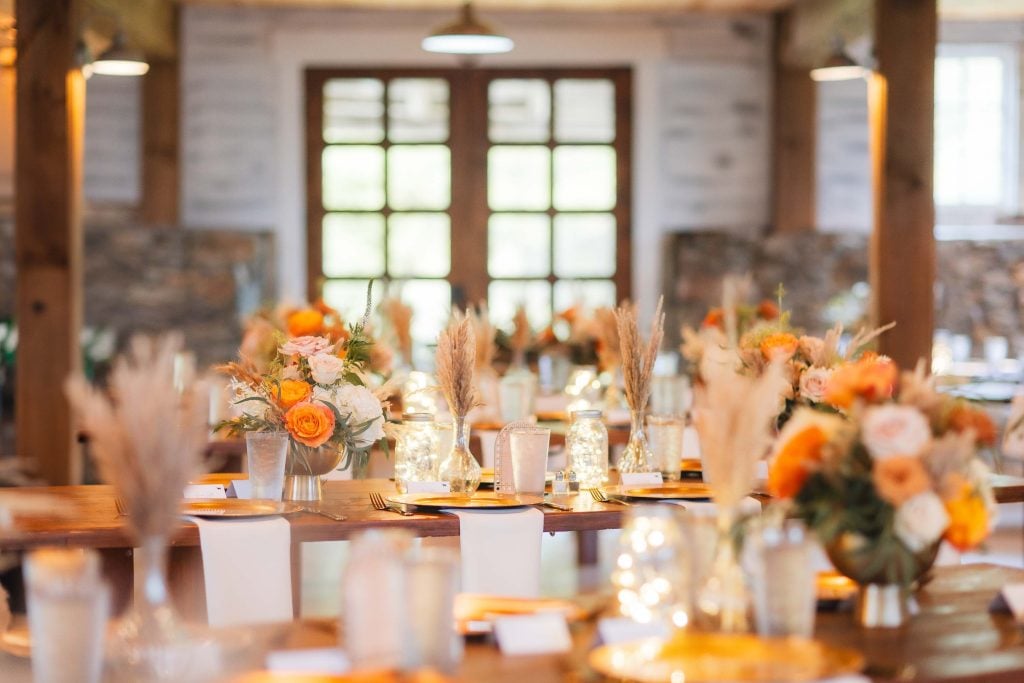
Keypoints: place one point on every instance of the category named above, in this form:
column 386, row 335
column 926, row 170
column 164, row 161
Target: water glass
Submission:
column 68, row 608
column 783, row 579
column 670, row 395
column 665, row 438
column 431, row 582
column 651, row 575
column 516, row 394
column 265, row 454
column 529, row 449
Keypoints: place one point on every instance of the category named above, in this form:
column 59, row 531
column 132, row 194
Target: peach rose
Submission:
column 814, row 384
column 891, row 430
column 714, row 318
column 305, row 323
column 293, row 391
column 305, row 346
column 968, row 518
column 779, row 345
column 963, row 417
column 795, row 461
column 871, row 378
column 311, row 424
column 767, row 310
column 900, row 478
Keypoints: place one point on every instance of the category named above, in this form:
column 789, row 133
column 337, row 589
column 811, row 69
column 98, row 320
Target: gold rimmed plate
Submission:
column 712, row 657
column 683, row 490
column 237, row 507
column 487, row 476
column 482, row 500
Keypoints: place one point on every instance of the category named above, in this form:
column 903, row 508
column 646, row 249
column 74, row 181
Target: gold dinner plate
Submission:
column 683, row 490
column 690, row 465
column 236, row 507
column 487, row 476
column 475, row 613
column 834, row 586
column 713, row 657
column 479, row 500
column 552, row 416
column 360, row 677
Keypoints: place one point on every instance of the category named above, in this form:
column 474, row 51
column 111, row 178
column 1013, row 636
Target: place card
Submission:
column 623, row 629
column 533, row 634
column 429, row 487
column 240, row 488
column 641, row 478
column 205, row 491
column 321, row 660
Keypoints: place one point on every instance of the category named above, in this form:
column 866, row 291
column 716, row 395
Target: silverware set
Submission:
column 324, row 513
column 378, row 502
column 601, row 497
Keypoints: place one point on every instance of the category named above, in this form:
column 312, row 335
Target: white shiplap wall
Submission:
column 112, row 154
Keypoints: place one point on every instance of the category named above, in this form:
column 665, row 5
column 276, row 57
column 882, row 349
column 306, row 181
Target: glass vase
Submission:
column 151, row 642
column 459, row 468
column 722, row 598
column 637, row 456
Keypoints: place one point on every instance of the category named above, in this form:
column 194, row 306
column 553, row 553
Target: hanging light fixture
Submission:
column 118, row 60
column 467, row 36
column 840, row 66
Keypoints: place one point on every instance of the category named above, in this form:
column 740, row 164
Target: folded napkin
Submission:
column 500, row 551
column 702, row 508
column 247, row 570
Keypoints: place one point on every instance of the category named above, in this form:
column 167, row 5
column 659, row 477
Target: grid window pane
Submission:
column 589, row 294
column 431, row 302
column 353, row 244
column 419, row 245
column 518, row 245
column 505, row 296
column 353, row 110
column 418, row 110
column 518, row 178
column 348, row 297
column 584, row 178
column 584, row 110
column 419, row 177
column 585, row 245
column 519, row 110
column 353, row 178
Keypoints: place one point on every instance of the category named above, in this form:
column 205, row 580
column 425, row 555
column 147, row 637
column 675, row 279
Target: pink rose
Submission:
column 814, row 384
column 891, row 429
column 305, row 346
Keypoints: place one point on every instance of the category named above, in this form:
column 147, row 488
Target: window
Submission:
column 460, row 185
column 975, row 132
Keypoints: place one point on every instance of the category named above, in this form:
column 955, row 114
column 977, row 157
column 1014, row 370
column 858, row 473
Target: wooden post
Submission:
column 902, row 94
column 48, row 231
column 794, row 129
column 160, row 102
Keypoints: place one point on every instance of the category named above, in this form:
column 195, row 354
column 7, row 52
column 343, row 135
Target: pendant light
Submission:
column 118, row 60
column 840, row 66
column 467, row 36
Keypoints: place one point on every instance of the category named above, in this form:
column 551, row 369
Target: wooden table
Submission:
column 954, row 639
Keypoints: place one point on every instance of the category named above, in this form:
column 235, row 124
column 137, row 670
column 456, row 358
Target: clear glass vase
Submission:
column 722, row 599
column 459, row 468
column 151, row 642
column 637, row 456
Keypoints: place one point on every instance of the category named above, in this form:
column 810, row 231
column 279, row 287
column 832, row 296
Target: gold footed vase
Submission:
column 305, row 468
column 886, row 577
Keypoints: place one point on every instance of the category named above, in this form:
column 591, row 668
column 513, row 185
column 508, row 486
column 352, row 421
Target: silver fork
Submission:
column 378, row 502
column 324, row 513
column 601, row 497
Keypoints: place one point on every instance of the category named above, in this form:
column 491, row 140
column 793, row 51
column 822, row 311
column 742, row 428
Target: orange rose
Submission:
column 779, row 344
column 795, row 461
column 305, row 323
column 714, row 318
column 767, row 310
column 899, row 478
column 871, row 378
column 293, row 391
column 311, row 424
column 963, row 417
column 968, row 519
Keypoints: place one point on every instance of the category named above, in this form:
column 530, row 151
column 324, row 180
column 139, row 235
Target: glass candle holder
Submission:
column 417, row 449
column 586, row 445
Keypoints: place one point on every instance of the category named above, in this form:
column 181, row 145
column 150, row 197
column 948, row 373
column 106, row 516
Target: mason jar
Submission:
column 416, row 451
column 586, row 445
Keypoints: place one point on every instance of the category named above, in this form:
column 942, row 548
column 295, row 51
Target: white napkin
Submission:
column 703, row 508
column 247, row 570
column 500, row 551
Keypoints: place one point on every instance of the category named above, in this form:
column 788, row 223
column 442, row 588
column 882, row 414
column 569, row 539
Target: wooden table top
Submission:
column 93, row 521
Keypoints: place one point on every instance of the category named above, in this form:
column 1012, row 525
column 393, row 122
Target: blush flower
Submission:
column 304, row 346
column 814, row 384
column 921, row 521
column 891, row 430
column 900, row 478
column 872, row 378
column 326, row 368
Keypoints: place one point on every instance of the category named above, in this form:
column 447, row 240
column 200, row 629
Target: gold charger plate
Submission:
column 668, row 491
column 487, row 476
column 479, row 500
column 236, row 507
column 714, row 657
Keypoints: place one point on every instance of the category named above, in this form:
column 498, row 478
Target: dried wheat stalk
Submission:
column 483, row 332
column 638, row 359
column 456, row 350
column 146, row 437
column 400, row 317
column 521, row 334
column 606, row 328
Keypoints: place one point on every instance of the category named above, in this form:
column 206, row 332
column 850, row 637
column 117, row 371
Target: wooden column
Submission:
column 902, row 94
column 48, row 231
column 794, row 129
column 160, row 103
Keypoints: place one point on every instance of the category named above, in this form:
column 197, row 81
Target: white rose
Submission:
column 326, row 368
column 814, row 384
column 241, row 392
column 921, row 521
column 359, row 405
column 895, row 430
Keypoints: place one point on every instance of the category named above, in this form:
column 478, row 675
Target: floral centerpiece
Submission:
column 890, row 475
column 313, row 390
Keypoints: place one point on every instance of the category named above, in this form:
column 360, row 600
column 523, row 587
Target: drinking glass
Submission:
column 665, row 438
column 783, row 579
column 670, row 395
column 266, row 453
column 68, row 607
column 529, row 449
column 516, row 394
column 431, row 582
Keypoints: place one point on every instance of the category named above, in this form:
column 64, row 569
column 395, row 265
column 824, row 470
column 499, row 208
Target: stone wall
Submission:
column 979, row 288
column 142, row 280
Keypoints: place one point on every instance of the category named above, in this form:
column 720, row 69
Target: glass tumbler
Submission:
column 783, row 579
column 528, row 447
column 665, row 438
column 266, row 453
column 431, row 577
